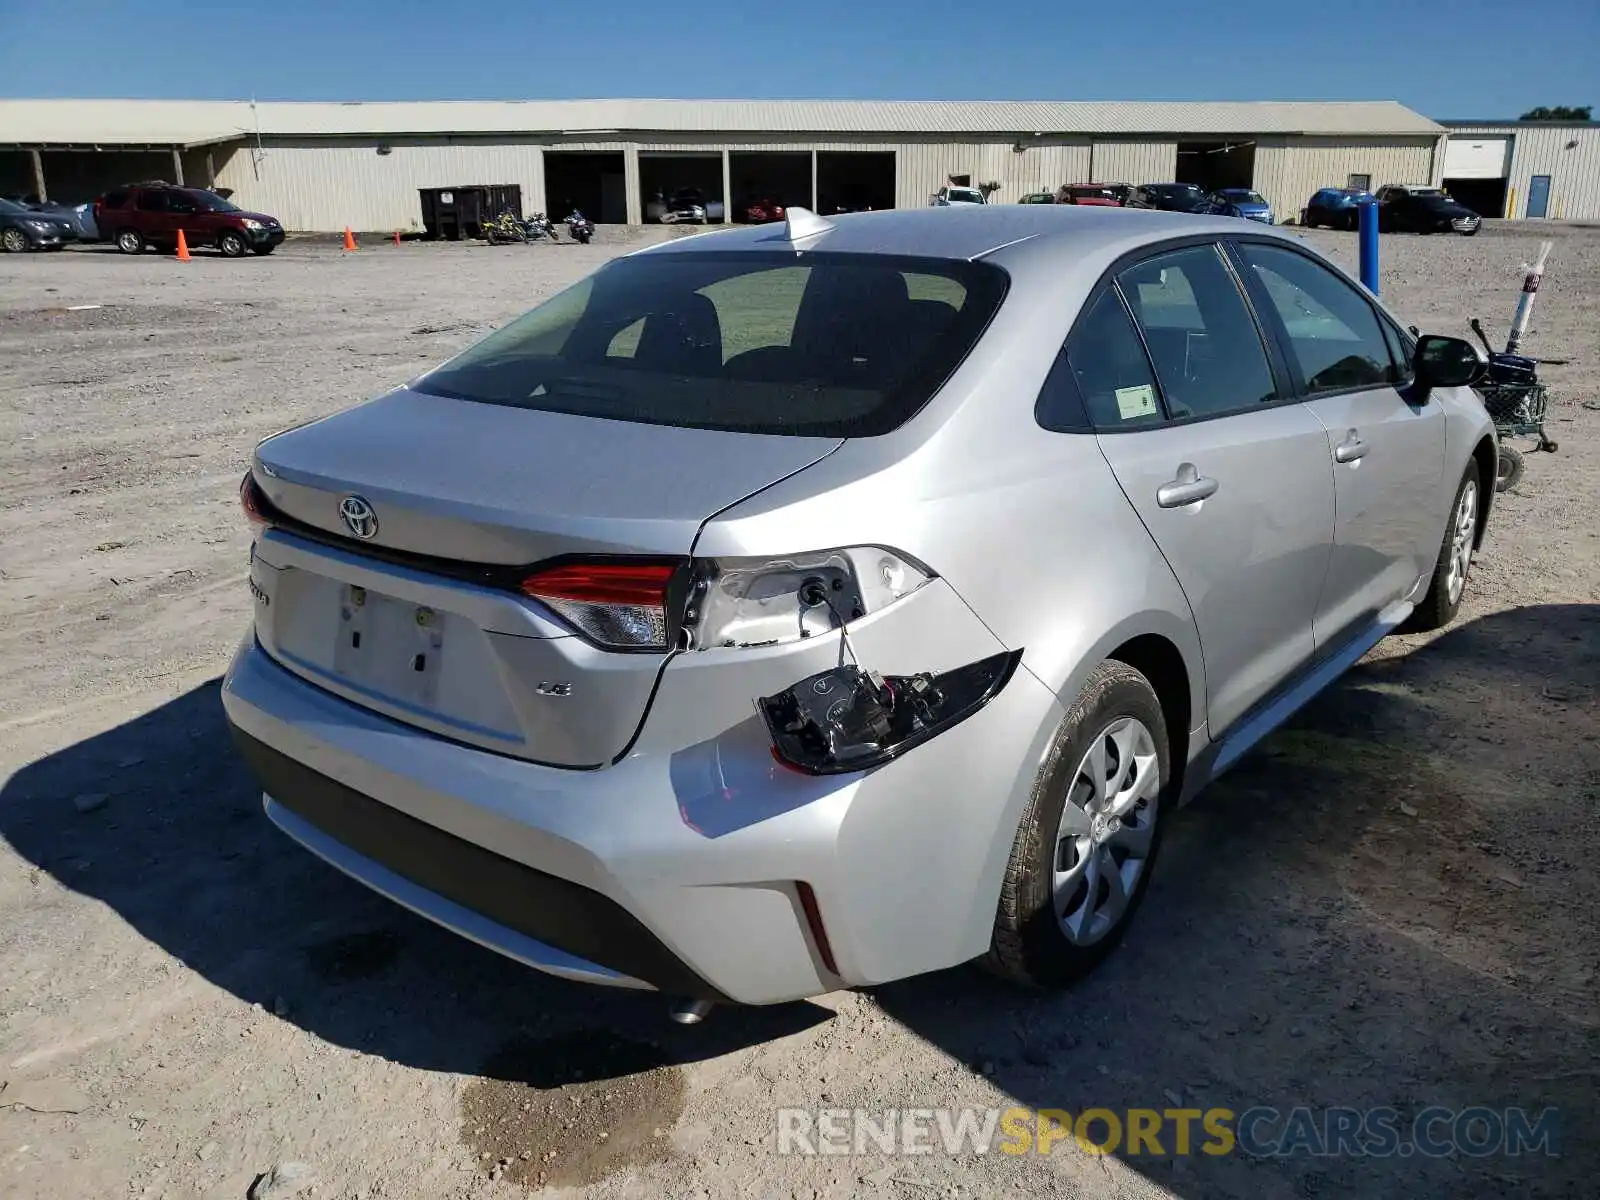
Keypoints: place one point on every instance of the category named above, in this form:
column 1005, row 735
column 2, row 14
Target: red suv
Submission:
column 151, row 214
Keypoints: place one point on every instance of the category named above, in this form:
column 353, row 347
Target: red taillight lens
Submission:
column 618, row 604
column 253, row 501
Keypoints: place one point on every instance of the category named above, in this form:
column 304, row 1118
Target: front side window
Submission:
column 1335, row 340
column 826, row 345
column 1204, row 342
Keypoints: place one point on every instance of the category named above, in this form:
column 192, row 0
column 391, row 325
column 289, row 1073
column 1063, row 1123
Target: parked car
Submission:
column 582, row 646
column 1038, row 198
column 79, row 216
column 1337, row 208
column 690, row 206
column 1094, row 194
column 764, row 211
column 151, row 214
column 1120, row 192
column 1411, row 208
column 23, row 228
column 1171, row 197
column 946, row 196
column 1241, row 202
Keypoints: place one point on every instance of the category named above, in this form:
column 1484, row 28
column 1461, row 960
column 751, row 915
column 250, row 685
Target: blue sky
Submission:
column 1445, row 58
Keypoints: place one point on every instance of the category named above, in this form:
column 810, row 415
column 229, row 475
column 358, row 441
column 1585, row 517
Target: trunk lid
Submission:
column 369, row 619
column 488, row 483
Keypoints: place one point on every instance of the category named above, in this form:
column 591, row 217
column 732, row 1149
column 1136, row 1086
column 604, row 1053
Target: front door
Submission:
column 1539, row 196
column 1234, row 486
column 1386, row 451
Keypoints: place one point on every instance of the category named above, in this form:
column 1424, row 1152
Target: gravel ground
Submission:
column 1393, row 902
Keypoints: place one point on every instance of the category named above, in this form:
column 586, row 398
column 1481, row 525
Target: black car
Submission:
column 1408, row 209
column 22, row 228
column 1171, row 197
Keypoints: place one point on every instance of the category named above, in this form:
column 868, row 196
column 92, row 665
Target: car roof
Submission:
column 1068, row 231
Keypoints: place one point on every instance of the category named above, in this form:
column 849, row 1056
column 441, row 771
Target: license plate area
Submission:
column 390, row 647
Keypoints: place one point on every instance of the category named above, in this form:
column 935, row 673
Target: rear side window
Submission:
column 1204, row 342
column 116, row 199
column 1335, row 340
column 152, row 201
column 1110, row 367
column 828, row 345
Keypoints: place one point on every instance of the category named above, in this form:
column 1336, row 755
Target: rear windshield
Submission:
column 821, row 345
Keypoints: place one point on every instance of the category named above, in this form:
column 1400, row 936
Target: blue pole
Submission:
column 1369, row 245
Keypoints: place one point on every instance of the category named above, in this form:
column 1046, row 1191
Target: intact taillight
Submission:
column 619, row 604
column 253, row 501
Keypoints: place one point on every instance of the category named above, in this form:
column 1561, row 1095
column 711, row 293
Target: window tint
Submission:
column 831, row 345
column 152, row 201
column 1110, row 368
column 116, row 199
column 1334, row 336
column 1202, row 338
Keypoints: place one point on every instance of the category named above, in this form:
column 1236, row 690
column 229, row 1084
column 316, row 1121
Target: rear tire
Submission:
column 1059, row 915
column 1510, row 468
column 130, row 241
column 1449, row 583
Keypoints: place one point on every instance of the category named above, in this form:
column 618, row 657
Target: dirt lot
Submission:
column 1394, row 902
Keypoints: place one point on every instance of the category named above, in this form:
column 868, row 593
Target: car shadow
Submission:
column 1376, row 909
column 1334, row 923
column 175, row 842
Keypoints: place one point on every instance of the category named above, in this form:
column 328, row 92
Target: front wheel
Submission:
column 1088, row 839
column 232, row 244
column 1443, row 599
column 13, row 241
column 130, row 241
column 1508, row 472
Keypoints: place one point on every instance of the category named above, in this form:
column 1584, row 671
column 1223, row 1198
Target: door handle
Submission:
column 1349, row 450
column 1189, row 487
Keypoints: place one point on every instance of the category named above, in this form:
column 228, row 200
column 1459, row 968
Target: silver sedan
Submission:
column 809, row 606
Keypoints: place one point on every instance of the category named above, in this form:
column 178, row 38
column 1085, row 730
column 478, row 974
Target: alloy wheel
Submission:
column 14, row 241
column 1107, row 830
column 1466, row 520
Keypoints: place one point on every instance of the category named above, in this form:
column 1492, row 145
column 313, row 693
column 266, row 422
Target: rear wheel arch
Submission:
column 1161, row 662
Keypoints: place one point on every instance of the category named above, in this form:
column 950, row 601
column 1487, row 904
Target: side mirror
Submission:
column 1447, row 361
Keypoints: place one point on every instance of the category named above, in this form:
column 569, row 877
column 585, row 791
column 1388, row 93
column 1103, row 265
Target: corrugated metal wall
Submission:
column 1134, row 162
column 1574, row 170
column 1289, row 170
column 329, row 185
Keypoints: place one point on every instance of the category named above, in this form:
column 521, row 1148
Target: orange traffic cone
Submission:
column 396, row 237
column 183, row 247
column 349, row 239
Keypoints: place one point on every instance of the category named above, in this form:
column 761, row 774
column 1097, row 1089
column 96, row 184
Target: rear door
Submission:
column 153, row 216
column 1386, row 451
column 1232, row 482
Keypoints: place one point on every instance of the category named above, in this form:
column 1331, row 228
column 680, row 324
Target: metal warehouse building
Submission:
column 1525, row 168
column 320, row 166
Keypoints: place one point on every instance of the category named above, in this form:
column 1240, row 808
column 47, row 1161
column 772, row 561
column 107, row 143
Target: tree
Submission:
column 1560, row 112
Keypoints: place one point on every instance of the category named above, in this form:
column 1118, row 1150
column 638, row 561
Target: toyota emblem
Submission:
column 358, row 516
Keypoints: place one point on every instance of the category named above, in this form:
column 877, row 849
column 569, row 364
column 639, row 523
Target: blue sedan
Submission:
column 1241, row 202
column 1335, row 207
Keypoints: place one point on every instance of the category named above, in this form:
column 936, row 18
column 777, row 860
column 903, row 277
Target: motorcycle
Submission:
column 540, row 226
column 504, row 229
column 580, row 227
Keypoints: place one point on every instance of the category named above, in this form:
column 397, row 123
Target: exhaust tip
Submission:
column 690, row 1012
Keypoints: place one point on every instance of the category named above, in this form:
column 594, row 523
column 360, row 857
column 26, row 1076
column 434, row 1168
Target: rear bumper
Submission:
column 672, row 869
